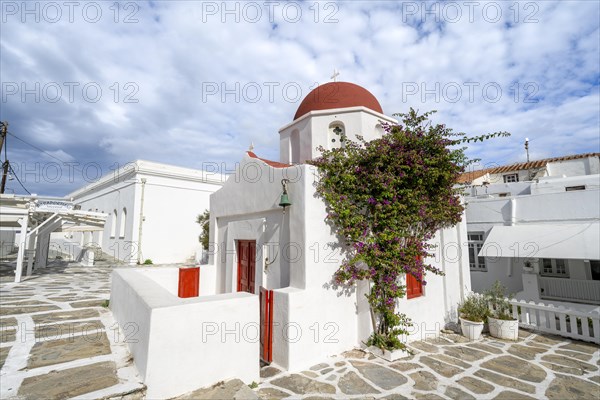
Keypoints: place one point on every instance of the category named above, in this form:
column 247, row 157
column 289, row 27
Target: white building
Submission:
column 270, row 271
column 151, row 212
column 540, row 236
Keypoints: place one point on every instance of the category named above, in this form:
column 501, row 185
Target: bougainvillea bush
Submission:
column 386, row 199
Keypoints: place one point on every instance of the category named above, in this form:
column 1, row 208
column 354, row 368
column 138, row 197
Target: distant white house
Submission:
column 151, row 212
column 267, row 290
column 535, row 227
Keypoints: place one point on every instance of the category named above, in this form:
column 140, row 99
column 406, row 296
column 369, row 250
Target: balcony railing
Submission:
column 574, row 290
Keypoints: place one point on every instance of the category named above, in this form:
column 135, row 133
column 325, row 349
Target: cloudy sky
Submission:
column 87, row 86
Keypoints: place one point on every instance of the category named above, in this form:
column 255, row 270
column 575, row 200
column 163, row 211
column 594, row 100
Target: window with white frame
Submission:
column 555, row 267
column 510, row 178
column 477, row 263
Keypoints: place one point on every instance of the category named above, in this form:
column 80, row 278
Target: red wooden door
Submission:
column 189, row 282
column 266, row 325
column 246, row 265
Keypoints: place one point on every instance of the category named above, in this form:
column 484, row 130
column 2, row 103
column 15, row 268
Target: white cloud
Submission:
column 165, row 64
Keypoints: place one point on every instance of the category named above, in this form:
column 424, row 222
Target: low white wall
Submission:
column 180, row 345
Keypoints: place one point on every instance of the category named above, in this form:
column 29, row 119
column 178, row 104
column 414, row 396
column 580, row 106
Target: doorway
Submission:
column 246, row 251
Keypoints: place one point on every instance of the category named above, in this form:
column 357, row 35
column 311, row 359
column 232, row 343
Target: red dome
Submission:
column 337, row 95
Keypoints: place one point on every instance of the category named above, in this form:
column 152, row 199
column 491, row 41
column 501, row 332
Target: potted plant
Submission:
column 473, row 312
column 528, row 266
column 501, row 322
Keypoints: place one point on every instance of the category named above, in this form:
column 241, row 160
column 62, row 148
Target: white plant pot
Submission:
column 388, row 355
column 504, row 329
column 471, row 330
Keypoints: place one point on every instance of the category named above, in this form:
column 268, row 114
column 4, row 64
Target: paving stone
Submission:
column 233, row 389
column 574, row 354
column 465, row 353
column 68, row 349
column 340, row 363
column 457, row 394
column 505, row 381
column 455, row 338
column 569, row 387
column 426, row 396
column 424, row 346
column 405, row 366
column 523, row 333
column 65, row 316
column 342, row 370
column 581, row 347
column 70, row 382
column 570, row 362
column 354, row 353
column 516, row 367
column 525, row 352
column 269, row 371
column 595, row 379
column 508, row 395
column 26, row 303
column 300, row 384
column 310, row 374
column 485, row 347
column 65, row 329
column 549, row 340
column 326, row 371
column 319, row 366
column 272, row 394
column 88, row 303
column 562, row 369
column 450, row 360
column 8, row 334
column 3, row 354
column 351, row 384
column 439, row 340
column 424, row 380
column 475, row 385
column 394, row 396
column 331, row 377
column 441, row 368
column 383, row 377
column 26, row 309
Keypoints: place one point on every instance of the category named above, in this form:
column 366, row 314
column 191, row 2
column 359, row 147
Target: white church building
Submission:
column 266, row 292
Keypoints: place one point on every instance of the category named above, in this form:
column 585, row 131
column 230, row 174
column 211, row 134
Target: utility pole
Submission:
column 5, row 165
column 527, row 148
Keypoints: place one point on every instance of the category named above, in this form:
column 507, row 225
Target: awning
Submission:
column 572, row 241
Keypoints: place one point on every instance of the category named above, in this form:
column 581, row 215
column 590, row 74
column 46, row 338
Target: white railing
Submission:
column 570, row 289
column 557, row 320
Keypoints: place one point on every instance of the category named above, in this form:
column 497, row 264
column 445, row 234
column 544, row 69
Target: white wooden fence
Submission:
column 557, row 320
column 585, row 291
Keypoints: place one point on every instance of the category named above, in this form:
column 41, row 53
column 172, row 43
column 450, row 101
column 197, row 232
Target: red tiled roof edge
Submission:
column 274, row 164
column 471, row 175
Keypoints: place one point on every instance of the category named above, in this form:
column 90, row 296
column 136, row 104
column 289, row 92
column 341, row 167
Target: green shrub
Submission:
column 474, row 308
column 148, row 261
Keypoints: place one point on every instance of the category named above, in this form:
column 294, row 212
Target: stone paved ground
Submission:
column 450, row 367
column 58, row 340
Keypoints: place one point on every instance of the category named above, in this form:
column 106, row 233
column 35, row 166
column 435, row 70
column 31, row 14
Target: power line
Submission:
column 35, row 147
column 18, row 180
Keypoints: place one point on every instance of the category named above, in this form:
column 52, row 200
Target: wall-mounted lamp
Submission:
column 284, row 201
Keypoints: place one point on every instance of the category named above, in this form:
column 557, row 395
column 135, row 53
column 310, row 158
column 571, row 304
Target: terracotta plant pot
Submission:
column 504, row 329
column 470, row 329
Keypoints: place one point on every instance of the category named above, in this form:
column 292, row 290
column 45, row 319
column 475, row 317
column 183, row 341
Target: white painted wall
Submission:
column 547, row 203
column 306, row 331
column 173, row 197
column 312, row 131
column 181, row 343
